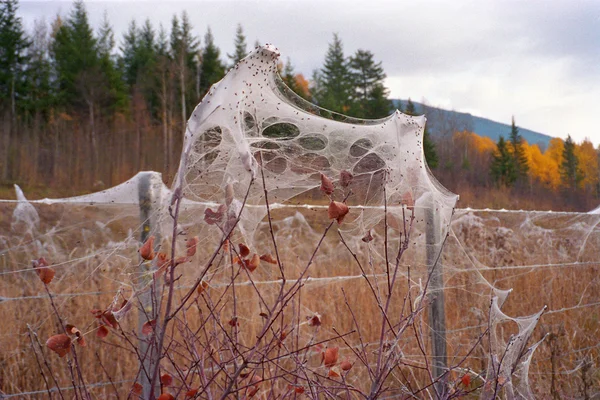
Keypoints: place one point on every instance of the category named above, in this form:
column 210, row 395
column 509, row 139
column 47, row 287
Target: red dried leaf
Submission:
column 202, row 287
column 45, row 273
column 72, row 330
column 251, row 391
column 244, row 250
column 226, row 246
column 337, row 211
column 81, row 341
column 191, row 245
column 191, row 393
column 253, row 263
column 268, row 258
column 166, row 396
column 326, row 185
column 264, row 315
column 466, row 380
column 299, row 389
column 166, row 380
column 345, row 178
column 368, row 237
column 245, row 372
column 214, row 217
column 147, row 249
column 330, row 356
column 334, row 372
column 233, row 322
column 60, row 344
column 137, row 389
column 148, row 327
column 108, row 318
column 102, row 332
column 314, row 320
column 346, row 365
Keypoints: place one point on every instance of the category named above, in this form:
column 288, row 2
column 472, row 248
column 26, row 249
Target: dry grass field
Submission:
column 547, row 259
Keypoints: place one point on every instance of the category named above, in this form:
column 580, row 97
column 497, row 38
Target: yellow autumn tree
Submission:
column 588, row 164
column 542, row 166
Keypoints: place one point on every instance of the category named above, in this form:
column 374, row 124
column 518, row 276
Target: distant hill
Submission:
column 439, row 118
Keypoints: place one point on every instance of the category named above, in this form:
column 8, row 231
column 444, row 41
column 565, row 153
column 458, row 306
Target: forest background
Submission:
column 81, row 111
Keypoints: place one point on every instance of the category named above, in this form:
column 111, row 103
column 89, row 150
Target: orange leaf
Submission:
column 346, row 365
column 147, row 249
column 202, row 286
column 466, row 380
column 407, row 200
column 268, row 258
column 148, row 327
column 314, row 320
column 337, row 211
column 299, row 389
column 251, row 391
column 60, row 344
column 191, row 245
column 244, row 250
column 253, row 263
column 102, row 332
column 330, row 357
column 81, row 341
column 326, row 185
column 233, row 322
column 137, row 389
column 45, row 273
column 226, row 246
column 334, row 372
column 191, row 393
column 166, row 380
column 166, row 396
column 345, row 178
column 108, row 318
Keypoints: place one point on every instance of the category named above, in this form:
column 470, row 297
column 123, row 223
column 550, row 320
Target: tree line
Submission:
column 82, row 109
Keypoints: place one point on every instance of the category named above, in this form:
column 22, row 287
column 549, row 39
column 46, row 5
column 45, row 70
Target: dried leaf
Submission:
column 334, row 372
column 326, row 185
column 251, row 391
column 60, row 344
column 253, row 263
column 147, row 249
column 102, row 332
column 108, row 318
column 81, row 341
column 244, row 373
column 166, row 380
column 244, row 250
column 45, row 273
column 166, row 396
column 345, row 178
column 191, row 393
column 337, row 211
column 268, row 258
column 368, row 237
column 137, row 389
column 264, row 315
column 226, row 246
column 299, row 389
column 148, row 327
column 314, row 320
column 214, row 217
column 72, row 330
column 330, row 356
column 466, row 380
column 191, row 245
column 346, row 365
column 202, row 286
column 233, row 322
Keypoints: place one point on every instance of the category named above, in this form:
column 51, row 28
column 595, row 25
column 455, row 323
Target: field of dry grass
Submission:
column 546, row 259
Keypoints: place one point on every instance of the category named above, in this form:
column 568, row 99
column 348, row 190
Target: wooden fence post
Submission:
column 437, row 316
column 150, row 194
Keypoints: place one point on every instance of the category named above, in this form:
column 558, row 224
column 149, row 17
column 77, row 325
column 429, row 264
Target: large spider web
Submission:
column 251, row 137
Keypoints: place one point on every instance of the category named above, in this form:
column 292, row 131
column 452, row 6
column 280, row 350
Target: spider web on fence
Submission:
column 251, row 126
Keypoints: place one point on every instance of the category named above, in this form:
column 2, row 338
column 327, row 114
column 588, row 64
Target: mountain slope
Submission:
column 440, row 120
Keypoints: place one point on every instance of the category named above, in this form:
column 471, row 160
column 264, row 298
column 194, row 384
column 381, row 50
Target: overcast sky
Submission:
column 536, row 60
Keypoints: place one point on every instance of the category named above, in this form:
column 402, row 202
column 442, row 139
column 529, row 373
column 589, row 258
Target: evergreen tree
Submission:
column 13, row 56
column 107, row 62
column 502, row 168
column 213, row 69
column 569, row 168
column 39, row 97
column 334, row 86
column 429, row 150
column 239, row 43
column 410, row 108
column 520, row 162
column 370, row 95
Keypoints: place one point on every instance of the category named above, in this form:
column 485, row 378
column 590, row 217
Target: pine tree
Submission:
column 213, row 69
column 502, row 167
column 569, row 168
column 519, row 157
column 429, row 150
column 370, row 95
column 334, row 86
column 410, row 108
column 239, row 43
column 13, row 56
column 39, row 96
column 108, row 66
